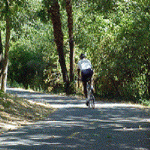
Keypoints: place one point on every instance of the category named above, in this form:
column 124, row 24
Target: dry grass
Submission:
column 16, row 112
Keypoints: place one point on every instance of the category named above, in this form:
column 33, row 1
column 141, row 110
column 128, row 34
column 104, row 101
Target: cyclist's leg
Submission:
column 86, row 77
column 85, row 88
column 86, row 93
column 91, row 83
column 84, row 74
column 91, row 80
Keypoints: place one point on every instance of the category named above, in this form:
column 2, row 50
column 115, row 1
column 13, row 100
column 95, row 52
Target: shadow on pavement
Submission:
column 103, row 128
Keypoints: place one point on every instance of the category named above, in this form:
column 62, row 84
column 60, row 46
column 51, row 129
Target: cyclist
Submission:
column 86, row 72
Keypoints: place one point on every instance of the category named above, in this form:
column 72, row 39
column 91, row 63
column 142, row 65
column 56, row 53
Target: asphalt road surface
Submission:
column 110, row 126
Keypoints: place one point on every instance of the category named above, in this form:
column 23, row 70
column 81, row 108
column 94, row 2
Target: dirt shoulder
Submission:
column 16, row 112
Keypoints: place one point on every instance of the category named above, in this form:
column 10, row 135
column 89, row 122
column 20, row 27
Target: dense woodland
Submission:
column 41, row 40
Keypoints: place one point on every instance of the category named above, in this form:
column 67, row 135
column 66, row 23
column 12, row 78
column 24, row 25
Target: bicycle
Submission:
column 90, row 97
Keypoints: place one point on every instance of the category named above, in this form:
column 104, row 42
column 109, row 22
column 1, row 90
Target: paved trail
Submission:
column 111, row 126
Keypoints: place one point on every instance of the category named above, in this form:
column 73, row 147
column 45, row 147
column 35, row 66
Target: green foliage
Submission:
column 32, row 56
column 145, row 102
column 6, row 104
column 114, row 34
column 11, row 8
column 1, row 93
column 117, row 41
column 29, row 58
column 3, row 100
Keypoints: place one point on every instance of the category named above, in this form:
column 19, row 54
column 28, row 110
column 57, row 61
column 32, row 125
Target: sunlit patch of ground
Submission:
column 17, row 112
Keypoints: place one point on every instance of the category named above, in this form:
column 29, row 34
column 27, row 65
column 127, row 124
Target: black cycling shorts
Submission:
column 86, row 75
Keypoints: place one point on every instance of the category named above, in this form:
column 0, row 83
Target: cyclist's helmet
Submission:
column 82, row 56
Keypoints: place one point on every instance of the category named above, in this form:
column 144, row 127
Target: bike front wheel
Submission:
column 92, row 102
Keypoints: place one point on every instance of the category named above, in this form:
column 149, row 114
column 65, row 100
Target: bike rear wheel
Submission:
column 92, row 101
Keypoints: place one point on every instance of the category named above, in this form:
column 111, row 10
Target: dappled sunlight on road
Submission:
column 74, row 126
column 79, row 128
column 63, row 101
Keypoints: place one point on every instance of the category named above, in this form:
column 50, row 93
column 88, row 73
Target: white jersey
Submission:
column 84, row 64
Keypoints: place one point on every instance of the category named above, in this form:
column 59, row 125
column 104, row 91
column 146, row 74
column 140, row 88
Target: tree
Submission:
column 71, row 42
column 8, row 13
column 1, row 54
column 53, row 9
column 5, row 60
column 58, row 35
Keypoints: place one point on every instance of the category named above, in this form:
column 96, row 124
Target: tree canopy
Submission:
column 115, row 36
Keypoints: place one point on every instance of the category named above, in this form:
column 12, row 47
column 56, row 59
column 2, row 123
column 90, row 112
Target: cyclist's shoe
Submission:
column 87, row 103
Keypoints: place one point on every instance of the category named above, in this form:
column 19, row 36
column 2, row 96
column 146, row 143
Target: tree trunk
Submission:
column 71, row 42
column 1, row 55
column 5, row 61
column 58, row 35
